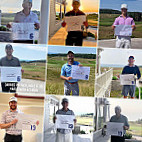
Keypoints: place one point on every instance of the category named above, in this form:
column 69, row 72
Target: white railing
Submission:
column 103, row 81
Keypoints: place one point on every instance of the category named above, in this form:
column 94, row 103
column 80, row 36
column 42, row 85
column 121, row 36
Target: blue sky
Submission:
column 65, row 49
column 26, row 52
column 133, row 5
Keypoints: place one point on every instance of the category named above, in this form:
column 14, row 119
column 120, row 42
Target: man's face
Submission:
column 124, row 11
column 131, row 61
column 76, row 5
column 13, row 105
column 65, row 105
column 9, row 51
column 117, row 112
column 27, row 6
column 70, row 57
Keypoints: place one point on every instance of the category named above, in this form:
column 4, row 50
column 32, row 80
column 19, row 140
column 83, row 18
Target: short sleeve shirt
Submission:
column 122, row 119
column 62, row 112
column 124, row 21
column 66, row 71
column 7, row 117
column 20, row 17
column 14, row 62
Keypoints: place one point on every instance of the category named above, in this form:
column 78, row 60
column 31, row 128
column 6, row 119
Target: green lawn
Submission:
column 105, row 30
column 55, row 85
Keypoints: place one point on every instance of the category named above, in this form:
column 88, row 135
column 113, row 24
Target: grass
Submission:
column 105, row 30
column 34, row 71
column 55, row 85
column 84, row 120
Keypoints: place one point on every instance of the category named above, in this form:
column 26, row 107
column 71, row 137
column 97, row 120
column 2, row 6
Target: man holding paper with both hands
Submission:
column 123, row 40
column 9, row 121
column 64, row 135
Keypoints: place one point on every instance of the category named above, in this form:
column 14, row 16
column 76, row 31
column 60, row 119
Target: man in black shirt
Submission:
column 75, row 37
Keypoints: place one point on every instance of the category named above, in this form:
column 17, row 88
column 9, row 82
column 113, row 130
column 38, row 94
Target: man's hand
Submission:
column 126, row 127
column 37, row 26
column 75, row 121
column 69, row 78
column 133, row 27
column 113, row 27
column 22, row 70
column 37, row 123
column 54, row 119
column 64, row 24
column 9, row 26
column 80, row 65
column 14, row 121
column 85, row 24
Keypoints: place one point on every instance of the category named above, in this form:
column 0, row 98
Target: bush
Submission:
column 114, row 78
column 3, row 28
column 137, row 93
column 128, row 136
column 82, row 132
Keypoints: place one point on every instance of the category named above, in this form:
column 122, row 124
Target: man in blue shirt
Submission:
column 70, row 85
column 130, row 69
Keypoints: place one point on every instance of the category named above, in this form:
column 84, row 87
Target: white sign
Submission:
column 26, row 122
column 115, row 129
column 10, row 74
column 123, row 30
column 65, row 121
column 74, row 23
column 81, row 73
column 23, row 31
column 127, row 79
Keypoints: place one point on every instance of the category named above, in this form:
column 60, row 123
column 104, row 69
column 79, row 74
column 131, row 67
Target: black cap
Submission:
column 8, row 46
column 70, row 52
column 131, row 57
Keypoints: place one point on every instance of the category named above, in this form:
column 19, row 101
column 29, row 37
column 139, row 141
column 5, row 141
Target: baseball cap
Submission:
column 131, row 57
column 65, row 100
column 76, row 0
column 8, row 46
column 13, row 99
column 118, row 108
column 124, row 6
column 70, row 52
column 25, row 1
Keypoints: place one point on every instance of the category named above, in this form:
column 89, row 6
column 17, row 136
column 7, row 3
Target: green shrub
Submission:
column 114, row 78
column 82, row 132
column 91, row 35
column 137, row 93
column 128, row 136
column 3, row 28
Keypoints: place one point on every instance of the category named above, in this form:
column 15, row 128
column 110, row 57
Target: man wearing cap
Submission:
column 64, row 135
column 9, row 61
column 75, row 37
column 70, row 85
column 8, row 122
column 123, row 19
column 130, row 69
column 119, row 118
column 26, row 16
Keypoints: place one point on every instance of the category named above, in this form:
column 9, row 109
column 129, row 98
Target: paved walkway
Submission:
column 110, row 43
column 60, row 37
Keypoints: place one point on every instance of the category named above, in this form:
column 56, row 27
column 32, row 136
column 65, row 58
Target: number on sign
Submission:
column 33, row 127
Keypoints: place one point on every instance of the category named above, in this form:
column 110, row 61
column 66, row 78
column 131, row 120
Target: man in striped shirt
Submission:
column 8, row 122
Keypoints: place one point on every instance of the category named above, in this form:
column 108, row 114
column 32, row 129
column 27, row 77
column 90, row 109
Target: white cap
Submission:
column 25, row 1
column 13, row 99
column 124, row 6
column 76, row 0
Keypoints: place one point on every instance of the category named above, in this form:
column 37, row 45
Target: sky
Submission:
column 26, row 52
column 133, row 5
column 13, row 6
column 120, row 57
column 130, row 108
column 86, row 5
column 65, row 49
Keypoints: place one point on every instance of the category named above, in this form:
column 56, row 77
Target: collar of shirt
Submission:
column 72, row 64
column 22, row 13
column 132, row 66
column 123, row 17
column 8, row 59
column 64, row 110
column 17, row 110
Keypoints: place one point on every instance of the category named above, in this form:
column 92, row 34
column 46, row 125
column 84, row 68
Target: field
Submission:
column 92, row 19
column 55, row 85
column 135, row 129
column 34, row 71
column 105, row 30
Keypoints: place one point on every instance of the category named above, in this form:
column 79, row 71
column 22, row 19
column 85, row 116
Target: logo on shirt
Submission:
column 70, row 126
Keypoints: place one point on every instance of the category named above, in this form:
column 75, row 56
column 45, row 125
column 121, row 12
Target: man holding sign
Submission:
column 130, row 69
column 123, row 22
column 64, row 134
column 119, row 118
column 75, row 37
column 70, row 84
column 9, row 122
column 9, row 61
column 26, row 16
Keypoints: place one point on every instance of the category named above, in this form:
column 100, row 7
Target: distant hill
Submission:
column 34, row 61
column 109, row 11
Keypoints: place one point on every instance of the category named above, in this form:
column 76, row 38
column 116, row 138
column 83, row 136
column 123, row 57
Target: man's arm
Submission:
column 5, row 126
column 133, row 25
column 138, row 73
column 126, row 127
column 115, row 23
column 124, row 70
